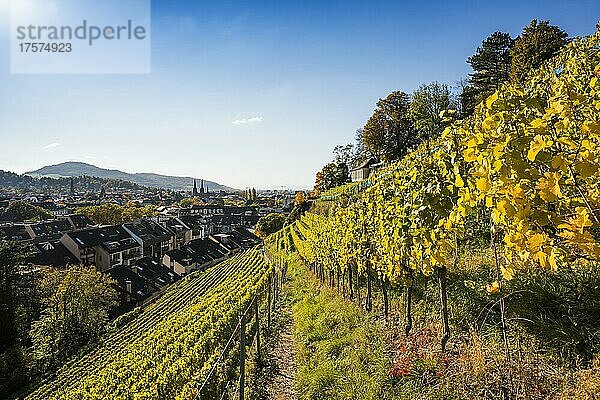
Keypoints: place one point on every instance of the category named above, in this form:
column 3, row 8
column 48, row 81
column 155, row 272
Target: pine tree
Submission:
column 491, row 65
column 539, row 42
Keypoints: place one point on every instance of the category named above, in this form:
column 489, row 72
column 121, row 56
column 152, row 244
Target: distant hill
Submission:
column 24, row 184
column 73, row 169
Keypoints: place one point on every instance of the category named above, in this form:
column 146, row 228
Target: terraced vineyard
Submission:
column 166, row 350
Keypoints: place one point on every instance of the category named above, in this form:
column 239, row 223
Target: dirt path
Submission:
column 282, row 361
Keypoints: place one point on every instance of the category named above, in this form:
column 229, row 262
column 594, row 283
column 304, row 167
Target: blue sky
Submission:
column 252, row 93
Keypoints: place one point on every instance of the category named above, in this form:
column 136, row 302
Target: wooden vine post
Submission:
column 505, row 391
column 369, row 301
column 384, row 290
column 350, row 283
column 409, row 293
column 258, row 350
column 442, row 281
column 269, row 304
column 242, row 354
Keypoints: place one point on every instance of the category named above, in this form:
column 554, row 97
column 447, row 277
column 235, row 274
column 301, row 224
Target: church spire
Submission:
column 202, row 186
column 195, row 190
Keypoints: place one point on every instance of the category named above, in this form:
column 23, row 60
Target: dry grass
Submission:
column 583, row 384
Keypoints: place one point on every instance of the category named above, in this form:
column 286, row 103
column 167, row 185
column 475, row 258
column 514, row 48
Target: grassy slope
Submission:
column 344, row 352
column 340, row 348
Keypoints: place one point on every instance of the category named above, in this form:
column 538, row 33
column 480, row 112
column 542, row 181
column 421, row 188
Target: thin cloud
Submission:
column 52, row 145
column 244, row 121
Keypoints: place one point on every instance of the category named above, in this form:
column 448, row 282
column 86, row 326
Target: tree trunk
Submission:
column 369, row 300
column 385, row 298
column 358, row 287
column 350, row 283
column 442, row 280
column 409, row 320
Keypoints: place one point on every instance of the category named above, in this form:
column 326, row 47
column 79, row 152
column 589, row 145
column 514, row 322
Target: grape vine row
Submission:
column 168, row 349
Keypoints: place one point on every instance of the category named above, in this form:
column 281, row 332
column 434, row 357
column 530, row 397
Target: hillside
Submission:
column 469, row 268
column 11, row 181
column 180, row 336
column 72, row 169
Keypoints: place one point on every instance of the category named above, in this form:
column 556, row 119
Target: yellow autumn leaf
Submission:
column 469, row 155
column 507, row 273
column 553, row 261
column 493, row 288
column 496, row 216
column 491, row 99
column 458, row 181
column 535, row 243
column 542, row 259
column 472, row 142
column 579, row 222
column 558, row 162
column 548, row 186
column 538, row 123
column 483, row 184
column 568, row 142
column 538, row 144
column 586, row 169
column 489, row 202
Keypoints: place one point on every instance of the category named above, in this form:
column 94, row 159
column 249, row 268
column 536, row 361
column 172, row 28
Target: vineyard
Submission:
column 518, row 180
column 168, row 349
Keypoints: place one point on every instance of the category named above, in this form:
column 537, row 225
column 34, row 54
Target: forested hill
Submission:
column 73, row 169
column 9, row 181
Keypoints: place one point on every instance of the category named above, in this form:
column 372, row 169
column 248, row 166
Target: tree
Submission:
column 428, row 101
column 18, row 307
column 77, row 301
column 491, row 65
column 332, row 175
column 361, row 152
column 538, row 42
column 390, row 133
column 270, row 224
column 115, row 214
column 13, row 256
column 343, row 154
column 191, row 201
column 22, row 211
column 299, row 199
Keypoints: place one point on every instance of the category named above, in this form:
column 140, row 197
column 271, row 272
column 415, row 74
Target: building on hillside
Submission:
column 14, row 232
column 199, row 254
column 182, row 233
column 227, row 242
column 132, row 288
column 104, row 247
column 364, row 169
column 246, row 238
column 120, row 251
column 51, row 254
column 55, row 209
column 79, row 221
column 200, row 226
column 155, row 239
column 155, row 272
column 180, row 261
column 49, row 229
